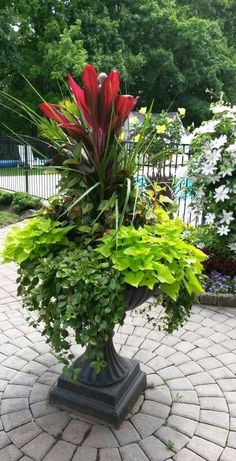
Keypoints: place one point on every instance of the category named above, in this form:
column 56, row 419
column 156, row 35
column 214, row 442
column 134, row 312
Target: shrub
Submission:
column 6, row 198
column 23, row 201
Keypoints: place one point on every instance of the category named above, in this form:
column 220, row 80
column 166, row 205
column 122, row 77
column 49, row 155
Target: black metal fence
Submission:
column 23, row 168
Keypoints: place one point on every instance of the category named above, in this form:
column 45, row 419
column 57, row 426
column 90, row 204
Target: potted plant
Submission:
column 99, row 248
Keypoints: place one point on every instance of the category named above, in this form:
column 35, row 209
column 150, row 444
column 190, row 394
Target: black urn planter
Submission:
column 108, row 396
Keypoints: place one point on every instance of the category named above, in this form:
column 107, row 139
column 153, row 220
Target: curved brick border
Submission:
column 213, row 299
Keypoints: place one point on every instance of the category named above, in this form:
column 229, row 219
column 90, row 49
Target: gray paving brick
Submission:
column 155, row 449
column 39, row 392
column 187, row 455
column 53, row 423
column 227, row 384
column 101, row 437
column 185, row 397
column 166, row 433
column 231, row 442
column 48, row 378
column 133, row 452
column 214, row 434
column 180, row 384
column 221, row 373
column 183, row 425
column 24, row 434
column 16, row 391
column 170, row 372
column 6, row 373
column 146, row 424
column 190, row 368
column 39, row 446
column 76, row 431
column 187, row 410
column 8, row 349
column 155, row 409
column 24, row 379
column 160, row 394
column 13, row 362
column 34, row 368
column 144, row 356
column 229, row 454
column 4, row 440
column 85, row 454
column 16, row 419
column 11, row 405
column 62, row 450
column 109, row 454
column 215, row 418
column 10, row 453
column 208, row 390
column 213, row 403
column 201, row 378
column 3, row 384
column 203, row 447
column 126, row 434
column 153, row 380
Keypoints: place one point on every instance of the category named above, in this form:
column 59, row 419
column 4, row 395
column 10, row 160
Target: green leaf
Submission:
column 134, row 278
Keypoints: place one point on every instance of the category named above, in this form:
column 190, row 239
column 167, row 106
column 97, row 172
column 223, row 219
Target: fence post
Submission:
column 26, row 168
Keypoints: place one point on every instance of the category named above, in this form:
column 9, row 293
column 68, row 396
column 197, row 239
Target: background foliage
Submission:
column 169, row 50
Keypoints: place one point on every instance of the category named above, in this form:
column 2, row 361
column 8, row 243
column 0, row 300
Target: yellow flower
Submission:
column 182, row 111
column 137, row 137
column 161, row 129
column 121, row 136
column 168, row 120
column 143, row 110
column 134, row 120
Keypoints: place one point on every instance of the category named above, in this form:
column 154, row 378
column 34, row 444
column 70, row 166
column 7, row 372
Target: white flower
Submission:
column 208, row 127
column 222, row 230
column 227, row 217
column 218, row 142
column 232, row 148
column 221, row 194
column 213, row 156
column 214, row 179
column 219, row 109
column 200, row 194
column 208, row 169
column 227, row 172
column 210, row 217
column 232, row 246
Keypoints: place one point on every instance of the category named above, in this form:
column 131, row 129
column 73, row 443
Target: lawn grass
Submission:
column 7, row 218
column 20, row 171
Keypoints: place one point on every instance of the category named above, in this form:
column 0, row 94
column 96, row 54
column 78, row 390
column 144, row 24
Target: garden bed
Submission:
column 16, row 207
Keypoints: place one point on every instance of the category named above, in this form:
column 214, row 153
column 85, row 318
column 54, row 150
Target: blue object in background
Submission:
column 9, row 163
column 141, row 182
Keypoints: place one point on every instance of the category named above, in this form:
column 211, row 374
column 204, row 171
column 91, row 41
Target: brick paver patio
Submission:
column 188, row 411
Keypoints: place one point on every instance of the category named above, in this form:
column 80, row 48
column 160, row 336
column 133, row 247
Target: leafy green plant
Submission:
column 6, row 198
column 7, row 218
column 73, row 289
column 22, row 201
column 34, row 240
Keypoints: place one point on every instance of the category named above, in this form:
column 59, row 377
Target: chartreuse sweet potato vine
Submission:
column 156, row 255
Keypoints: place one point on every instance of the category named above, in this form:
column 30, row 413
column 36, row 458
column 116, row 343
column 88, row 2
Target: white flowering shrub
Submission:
column 212, row 171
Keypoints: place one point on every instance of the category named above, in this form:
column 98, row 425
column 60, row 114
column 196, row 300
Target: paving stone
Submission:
column 100, row 437
column 214, row 434
column 232, row 409
column 47, row 359
column 53, row 423
column 229, row 454
column 6, row 373
column 3, row 384
column 190, row 368
column 160, row 394
column 179, row 358
column 24, row 379
column 180, row 384
column 11, row 405
column 24, row 434
column 213, row 403
column 16, row 419
column 16, row 391
column 10, row 453
column 186, row 410
column 166, row 433
column 164, row 350
column 8, row 349
column 233, row 424
column 203, row 447
column 48, row 378
column 144, row 356
column 208, row 390
column 155, row 409
column 42, row 408
column 132, row 453
column 227, row 384
column 146, row 424
column 170, row 372
column 209, row 363
column 126, row 351
column 126, row 434
column 4, row 440
column 27, row 353
column 26, row 458
column 198, row 354
column 39, row 392
column 76, row 431
column 201, row 378
column 221, row 373
column 154, row 380
column 39, row 446
column 85, row 454
column 158, row 363
column 187, row 455
column 15, row 363
column 109, row 454
column 135, row 409
column 149, row 345
column 183, row 425
column 155, row 449
column 215, row 418
column 62, row 450
column 34, row 368
column 185, row 397
column 231, row 442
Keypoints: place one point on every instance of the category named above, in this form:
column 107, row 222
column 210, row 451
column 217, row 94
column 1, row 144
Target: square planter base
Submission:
column 106, row 404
